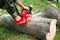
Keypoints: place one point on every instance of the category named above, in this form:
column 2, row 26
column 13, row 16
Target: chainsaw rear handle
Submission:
column 30, row 9
column 25, row 11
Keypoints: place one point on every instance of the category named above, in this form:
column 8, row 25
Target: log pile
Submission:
column 43, row 28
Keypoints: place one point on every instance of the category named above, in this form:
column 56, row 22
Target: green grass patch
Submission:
column 57, row 37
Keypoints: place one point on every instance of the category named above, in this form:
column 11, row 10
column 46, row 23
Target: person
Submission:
column 10, row 6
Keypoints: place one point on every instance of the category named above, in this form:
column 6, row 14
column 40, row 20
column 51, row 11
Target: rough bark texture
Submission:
column 39, row 27
column 52, row 11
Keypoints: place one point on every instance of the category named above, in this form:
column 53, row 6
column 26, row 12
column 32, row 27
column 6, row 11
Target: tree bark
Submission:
column 39, row 27
column 52, row 11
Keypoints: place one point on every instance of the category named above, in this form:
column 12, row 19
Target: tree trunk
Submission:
column 39, row 27
column 52, row 11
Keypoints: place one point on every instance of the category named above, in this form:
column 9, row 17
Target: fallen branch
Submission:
column 52, row 11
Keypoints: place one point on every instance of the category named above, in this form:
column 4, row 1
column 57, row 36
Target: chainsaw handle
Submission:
column 30, row 9
column 24, row 12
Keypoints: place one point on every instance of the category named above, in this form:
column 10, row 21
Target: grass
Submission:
column 57, row 37
column 38, row 5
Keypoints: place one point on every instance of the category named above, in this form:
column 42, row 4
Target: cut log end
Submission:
column 52, row 33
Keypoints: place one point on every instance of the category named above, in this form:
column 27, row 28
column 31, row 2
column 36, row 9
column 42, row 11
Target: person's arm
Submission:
column 21, row 4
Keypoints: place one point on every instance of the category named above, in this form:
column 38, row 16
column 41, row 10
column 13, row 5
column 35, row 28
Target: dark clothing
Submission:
column 14, row 0
column 8, row 5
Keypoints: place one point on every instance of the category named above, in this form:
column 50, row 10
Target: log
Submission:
column 42, row 28
column 52, row 11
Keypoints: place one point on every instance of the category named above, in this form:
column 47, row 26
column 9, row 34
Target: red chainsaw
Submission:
column 25, row 16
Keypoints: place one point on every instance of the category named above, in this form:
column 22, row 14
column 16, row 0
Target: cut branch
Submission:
column 52, row 11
